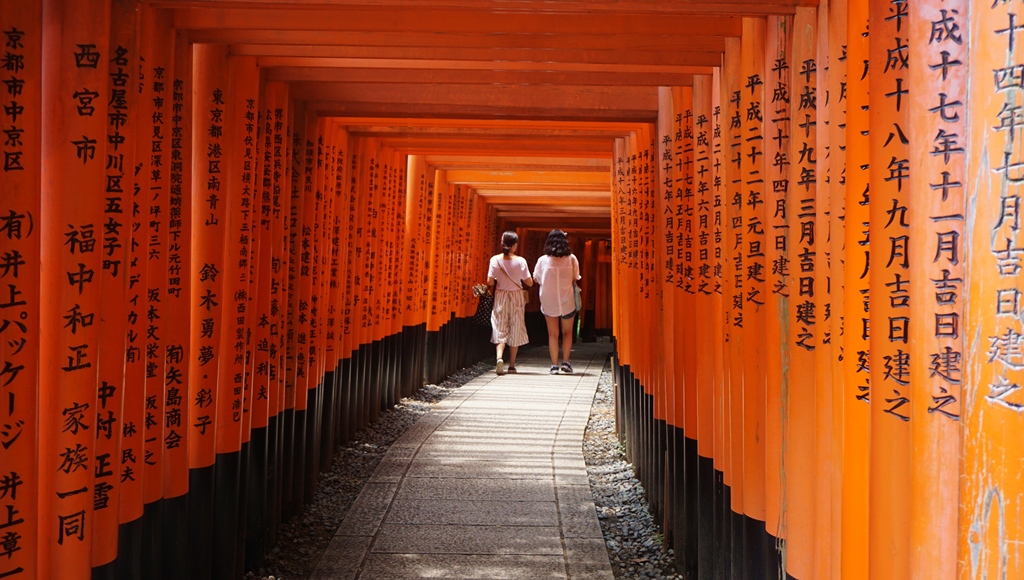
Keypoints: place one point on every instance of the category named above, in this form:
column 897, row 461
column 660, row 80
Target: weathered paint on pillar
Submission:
column 991, row 528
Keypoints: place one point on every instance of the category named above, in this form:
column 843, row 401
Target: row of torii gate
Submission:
column 812, row 275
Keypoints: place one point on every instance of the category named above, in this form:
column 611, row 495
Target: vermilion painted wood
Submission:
column 156, row 56
column 209, row 267
column 636, row 44
column 752, row 188
column 264, row 396
column 236, row 197
column 824, row 361
column 441, row 194
column 301, row 240
column 937, row 245
column 618, row 271
column 130, row 467
column 805, row 335
column 69, row 226
column 572, row 6
column 450, row 20
column 891, row 382
column 178, row 155
column 719, row 299
column 281, row 184
column 665, row 243
column 837, row 98
column 704, row 286
column 322, row 175
column 352, row 72
column 778, row 257
column 21, row 238
column 990, row 521
column 856, row 362
column 685, row 289
column 416, row 187
column 733, row 474
column 115, row 241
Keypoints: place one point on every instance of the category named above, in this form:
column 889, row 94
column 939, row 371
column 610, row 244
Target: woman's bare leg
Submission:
column 552, row 323
column 566, row 337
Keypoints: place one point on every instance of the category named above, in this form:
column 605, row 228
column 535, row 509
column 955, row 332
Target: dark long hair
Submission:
column 557, row 244
column 508, row 239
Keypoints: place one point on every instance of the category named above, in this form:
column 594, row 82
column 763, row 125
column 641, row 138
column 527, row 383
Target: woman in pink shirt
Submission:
column 508, row 273
column 556, row 272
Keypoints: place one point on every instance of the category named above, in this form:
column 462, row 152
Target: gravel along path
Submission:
column 632, row 538
column 630, row 533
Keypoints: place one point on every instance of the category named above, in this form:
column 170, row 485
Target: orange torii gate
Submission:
column 209, row 279
column 863, row 418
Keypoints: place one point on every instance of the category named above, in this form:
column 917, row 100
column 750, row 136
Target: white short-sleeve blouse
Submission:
column 556, row 276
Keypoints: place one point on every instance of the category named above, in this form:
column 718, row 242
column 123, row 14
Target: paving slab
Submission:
column 367, row 512
column 473, row 513
column 460, row 566
column 478, row 489
column 393, row 466
column 443, row 453
column 444, row 539
column 469, row 468
column 494, row 449
column 491, row 483
column 342, row 558
column 587, row 558
column 579, row 516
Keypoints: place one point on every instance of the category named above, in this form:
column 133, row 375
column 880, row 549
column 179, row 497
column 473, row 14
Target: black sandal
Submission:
column 511, row 370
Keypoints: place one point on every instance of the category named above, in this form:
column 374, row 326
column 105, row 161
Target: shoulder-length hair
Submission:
column 557, row 244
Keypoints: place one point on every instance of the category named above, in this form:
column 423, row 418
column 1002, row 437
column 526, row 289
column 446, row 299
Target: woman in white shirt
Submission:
column 508, row 273
column 556, row 272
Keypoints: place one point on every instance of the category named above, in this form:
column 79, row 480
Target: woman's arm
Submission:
column 490, row 277
column 528, row 280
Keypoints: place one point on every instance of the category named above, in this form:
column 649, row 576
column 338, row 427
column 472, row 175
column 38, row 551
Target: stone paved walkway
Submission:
column 490, row 484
